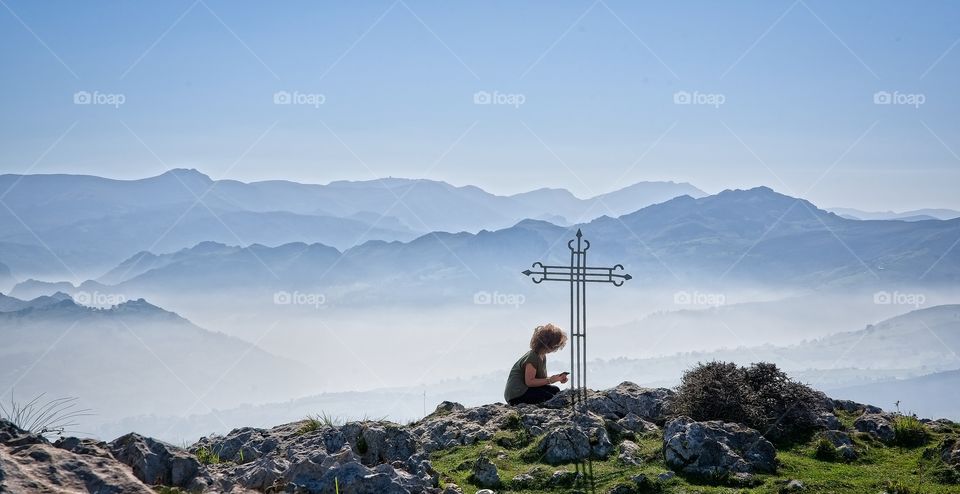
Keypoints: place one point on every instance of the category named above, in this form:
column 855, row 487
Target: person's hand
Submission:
column 563, row 378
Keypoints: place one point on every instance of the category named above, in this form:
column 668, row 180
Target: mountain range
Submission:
column 90, row 223
column 914, row 215
column 755, row 235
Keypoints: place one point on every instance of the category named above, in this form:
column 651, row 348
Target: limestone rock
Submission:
column 484, row 473
column 452, row 489
column 625, row 398
column 379, row 442
column 584, row 438
column 629, row 453
column 842, row 442
column 877, row 425
column 29, row 463
column 716, row 449
column 158, row 463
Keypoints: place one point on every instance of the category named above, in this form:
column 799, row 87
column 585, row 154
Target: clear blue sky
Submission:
column 398, row 80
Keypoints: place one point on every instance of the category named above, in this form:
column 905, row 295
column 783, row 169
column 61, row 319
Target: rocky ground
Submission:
column 627, row 441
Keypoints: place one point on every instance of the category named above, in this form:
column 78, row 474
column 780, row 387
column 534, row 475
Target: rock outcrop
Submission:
column 383, row 457
column 878, row 425
column 158, row 463
column 716, row 449
column 29, row 463
column 627, row 398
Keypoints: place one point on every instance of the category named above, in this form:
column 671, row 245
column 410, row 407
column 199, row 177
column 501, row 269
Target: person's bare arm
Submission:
column 531, row 379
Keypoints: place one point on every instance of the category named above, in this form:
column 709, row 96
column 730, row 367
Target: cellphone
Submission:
column 565, row 373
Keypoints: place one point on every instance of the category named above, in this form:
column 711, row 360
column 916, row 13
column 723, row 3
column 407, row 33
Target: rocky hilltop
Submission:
column 628, row 440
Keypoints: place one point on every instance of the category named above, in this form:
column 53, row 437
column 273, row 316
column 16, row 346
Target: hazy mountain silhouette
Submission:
column 754, row 235
column 135, row 358
column 914, row 215
column 13, row 304
column 91, row 223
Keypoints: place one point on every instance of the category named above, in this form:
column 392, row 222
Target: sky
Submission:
column 844, row 103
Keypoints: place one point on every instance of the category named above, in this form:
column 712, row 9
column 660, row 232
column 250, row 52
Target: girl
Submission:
column 528, row 381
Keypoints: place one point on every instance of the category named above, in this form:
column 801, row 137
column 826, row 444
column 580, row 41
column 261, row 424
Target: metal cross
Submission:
column 578, row 274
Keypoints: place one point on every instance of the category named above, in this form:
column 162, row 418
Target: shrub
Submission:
column 513, row 421
column 825, row 451
column 760, row 396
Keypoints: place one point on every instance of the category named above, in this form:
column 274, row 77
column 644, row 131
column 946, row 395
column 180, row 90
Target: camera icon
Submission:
column 682, row 98
column 82, row 298
column 682, row 298
column 82, row 98
column 282, row 298
column 282, row 98
column 882, row 98
column 882, row 298
column 482, row 98
column 482, row 298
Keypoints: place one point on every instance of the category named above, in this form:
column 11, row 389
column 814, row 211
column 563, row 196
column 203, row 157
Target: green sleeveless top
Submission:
column 516, row 384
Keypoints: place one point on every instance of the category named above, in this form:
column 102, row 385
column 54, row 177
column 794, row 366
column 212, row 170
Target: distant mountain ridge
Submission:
column 914, row 215
column 755, row 235
column 92, row 223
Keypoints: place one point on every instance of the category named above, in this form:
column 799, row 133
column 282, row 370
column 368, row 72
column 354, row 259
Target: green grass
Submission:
column 879, row 468
column 909, row 431
column 316, row 422
column 208, row 456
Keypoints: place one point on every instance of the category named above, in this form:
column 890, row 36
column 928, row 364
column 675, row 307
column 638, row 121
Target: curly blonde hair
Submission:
column 547, row 338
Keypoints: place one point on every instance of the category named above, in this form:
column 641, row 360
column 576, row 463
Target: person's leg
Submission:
column 553, row 390
column 534, row 396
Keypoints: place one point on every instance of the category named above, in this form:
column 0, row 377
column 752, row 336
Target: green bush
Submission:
column 760, row 396
column 909, row 431
column 825, row 451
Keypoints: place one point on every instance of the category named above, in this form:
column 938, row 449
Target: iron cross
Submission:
column 578, row 274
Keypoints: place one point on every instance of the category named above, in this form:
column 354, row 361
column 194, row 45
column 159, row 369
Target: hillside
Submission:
column 134, row 358
column 628, row 440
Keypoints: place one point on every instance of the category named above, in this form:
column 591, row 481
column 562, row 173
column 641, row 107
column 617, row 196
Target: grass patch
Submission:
column 878, row 469
column 208, row 456
column 315, row 422
column 910, row 432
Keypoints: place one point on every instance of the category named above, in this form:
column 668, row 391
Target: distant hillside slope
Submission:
column 136, row 358
column 933, row 395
